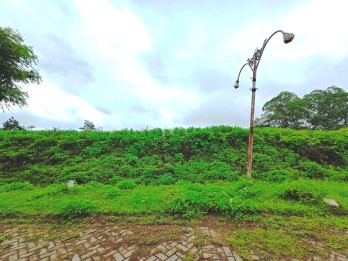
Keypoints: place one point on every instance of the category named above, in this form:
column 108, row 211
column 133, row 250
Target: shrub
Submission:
column 24, row 186
column 313, row 170
column 70, row 210
column 80, row 177
column 278, row 175
column 166, row 179
column 113, row 193
column 127, row 184
column 114, row 180
column 197, row 200
column 61, row 189
column 300, row 190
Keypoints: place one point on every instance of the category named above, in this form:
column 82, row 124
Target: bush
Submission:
column 197, row 200
column 166, row 179
column 80, row 177
column 113, row 193
column 127, row 184
column 24, row 186
column 70, row 210
column 302, row 191
column 278, row 176
column 313, row 170
column 114, row 180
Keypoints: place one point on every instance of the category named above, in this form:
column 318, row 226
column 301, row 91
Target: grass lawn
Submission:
column 274, row 219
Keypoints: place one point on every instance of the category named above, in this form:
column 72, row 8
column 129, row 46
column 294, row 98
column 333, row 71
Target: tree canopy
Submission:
column 88, row 125
column 17, row 62
column 320, row 109
column 12, row 124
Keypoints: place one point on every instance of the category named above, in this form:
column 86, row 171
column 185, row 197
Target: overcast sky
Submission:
column 172, row 63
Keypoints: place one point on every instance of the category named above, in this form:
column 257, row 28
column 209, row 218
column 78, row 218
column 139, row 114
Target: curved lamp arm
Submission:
column 236, row 85
column 255, row 60
column 287, row 38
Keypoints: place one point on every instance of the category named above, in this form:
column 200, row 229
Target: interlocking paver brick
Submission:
column 107, row 242
column 161, row 256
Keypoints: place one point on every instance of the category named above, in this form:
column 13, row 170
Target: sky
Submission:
column 144, row 64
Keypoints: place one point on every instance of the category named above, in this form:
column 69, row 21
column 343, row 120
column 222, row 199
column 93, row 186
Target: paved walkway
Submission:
column 113, row 241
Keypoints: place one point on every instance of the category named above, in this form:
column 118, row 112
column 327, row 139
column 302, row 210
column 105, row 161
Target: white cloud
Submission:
column 118, row 36
column 47, row 101
column 319, row 27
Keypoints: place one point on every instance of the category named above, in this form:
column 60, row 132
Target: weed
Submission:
column 70, row 210
column 4, row 236
column 127, row 184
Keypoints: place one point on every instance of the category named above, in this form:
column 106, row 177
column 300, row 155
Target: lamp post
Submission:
column 254, row 64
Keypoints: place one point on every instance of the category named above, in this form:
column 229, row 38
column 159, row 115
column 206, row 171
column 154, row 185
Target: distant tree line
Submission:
column 13, row 124
column 320, row 109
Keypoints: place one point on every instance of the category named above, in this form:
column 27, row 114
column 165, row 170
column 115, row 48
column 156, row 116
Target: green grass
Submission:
column 242, row 199
column 278, row 237
column 275, row 220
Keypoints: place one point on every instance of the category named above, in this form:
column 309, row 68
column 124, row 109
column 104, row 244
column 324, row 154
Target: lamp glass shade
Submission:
column 288, row 37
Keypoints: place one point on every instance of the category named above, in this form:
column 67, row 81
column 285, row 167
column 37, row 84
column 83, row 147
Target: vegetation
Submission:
column 12, row 124
column 17, row 62
column 277, row 236
column 182, row 175
column 167, row 156
column 243, row 200
column 88, row 125
column 320, row 109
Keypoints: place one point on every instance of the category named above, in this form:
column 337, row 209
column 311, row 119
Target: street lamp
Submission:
column 254, row 64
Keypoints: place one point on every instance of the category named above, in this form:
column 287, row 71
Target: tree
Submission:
column 88, row 125
column 12, row 124
column 286, row 110
column 320, row 109
column 17, row 62
column 327, row 109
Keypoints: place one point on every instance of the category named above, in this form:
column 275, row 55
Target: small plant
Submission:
column 23, row 186
column 278, row 175
column 75, row 209
column 114, row 180
column 113, row 193
column 166, row 179
column 127, row 184
column 298, row 191
column 313, row 170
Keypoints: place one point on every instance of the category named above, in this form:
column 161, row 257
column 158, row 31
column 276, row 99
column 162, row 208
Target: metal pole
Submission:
column 254, row 63
column 252, row 113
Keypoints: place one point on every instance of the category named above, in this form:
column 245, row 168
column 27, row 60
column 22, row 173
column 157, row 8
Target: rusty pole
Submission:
column 252, row 113
column 253, row 64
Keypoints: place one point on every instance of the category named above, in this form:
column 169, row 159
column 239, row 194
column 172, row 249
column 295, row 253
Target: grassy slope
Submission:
column 293, row 171
column 166, row 156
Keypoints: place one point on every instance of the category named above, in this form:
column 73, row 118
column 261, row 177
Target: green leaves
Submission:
column 154, row 157
column 17, row 62
column 320, row 109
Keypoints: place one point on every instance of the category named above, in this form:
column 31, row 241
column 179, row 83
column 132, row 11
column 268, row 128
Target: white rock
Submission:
column 71, row 184
column 331, row 202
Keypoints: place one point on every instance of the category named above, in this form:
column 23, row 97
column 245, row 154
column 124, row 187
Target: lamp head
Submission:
column 236, row 85
column 288, row 37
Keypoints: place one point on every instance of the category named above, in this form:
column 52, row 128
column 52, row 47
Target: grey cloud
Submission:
column 210, row 80
column 26, row 118
column 58, row 59
column 220, row 109
column 154, row 63
column 104, row 110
